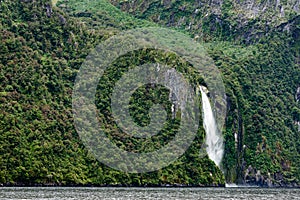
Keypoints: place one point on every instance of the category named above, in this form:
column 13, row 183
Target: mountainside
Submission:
column 41, row 52
column 255, row 44
column 244, row 20
column 263, row 113
column 261, row 77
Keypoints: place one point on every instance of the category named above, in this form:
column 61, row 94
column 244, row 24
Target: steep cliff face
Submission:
column 258, row 148
column 243, row 19
column 272, row 11
column 42, row 49
column 297, row 96
column 246, row 9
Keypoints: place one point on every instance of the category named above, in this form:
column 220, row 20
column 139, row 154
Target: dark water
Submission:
column 147, row 193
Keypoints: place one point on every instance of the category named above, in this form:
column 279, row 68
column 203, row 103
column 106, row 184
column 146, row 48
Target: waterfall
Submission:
column 214, row 139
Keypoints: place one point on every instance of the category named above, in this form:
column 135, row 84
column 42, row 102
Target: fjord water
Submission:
column 110, row 193
column 214, row 139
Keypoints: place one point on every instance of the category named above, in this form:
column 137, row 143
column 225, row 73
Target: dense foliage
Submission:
column 260, row 65
column 42, row 49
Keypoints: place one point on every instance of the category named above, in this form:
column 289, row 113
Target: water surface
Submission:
column 111, row 193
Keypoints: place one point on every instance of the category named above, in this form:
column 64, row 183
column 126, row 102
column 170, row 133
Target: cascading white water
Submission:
column 214, row 138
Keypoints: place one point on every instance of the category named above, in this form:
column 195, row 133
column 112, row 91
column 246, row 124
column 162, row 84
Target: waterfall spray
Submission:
column 214, row 139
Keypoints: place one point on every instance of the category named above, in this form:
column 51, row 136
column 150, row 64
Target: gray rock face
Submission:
column 297, row 96
column 177, row 87
column 62, row 19
column 255, row 8
column 248, row 19
column 49, row 10
column 253, row 176
column 249, row 9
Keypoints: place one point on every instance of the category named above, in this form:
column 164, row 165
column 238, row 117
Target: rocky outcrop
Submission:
column 254, row 176
column 248, row 19
column 49, row 10
column 297, row 96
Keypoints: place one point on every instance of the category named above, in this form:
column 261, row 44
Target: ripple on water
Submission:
column 110, row 193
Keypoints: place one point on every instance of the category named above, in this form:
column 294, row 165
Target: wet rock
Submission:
column 297, row 96
column 49, row 10
column 62, row 19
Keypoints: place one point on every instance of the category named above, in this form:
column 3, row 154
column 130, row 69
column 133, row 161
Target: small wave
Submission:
column 231, row 185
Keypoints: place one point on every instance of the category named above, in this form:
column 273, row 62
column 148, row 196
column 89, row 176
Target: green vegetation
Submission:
column 260, row 66
column 41, row 52
column 42, row 48
column 101, row 15
column 215, row 20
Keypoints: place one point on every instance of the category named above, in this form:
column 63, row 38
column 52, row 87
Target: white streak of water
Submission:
column 214, row 138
